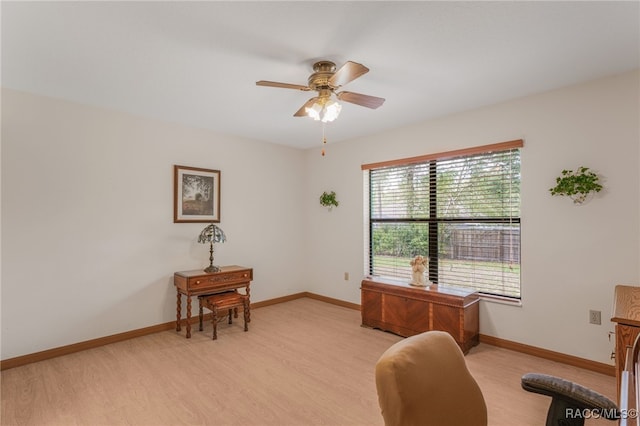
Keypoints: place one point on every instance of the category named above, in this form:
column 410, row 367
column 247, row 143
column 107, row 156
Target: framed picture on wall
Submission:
column 196, row 194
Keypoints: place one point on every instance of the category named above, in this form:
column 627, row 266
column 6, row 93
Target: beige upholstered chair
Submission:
column 423, row 380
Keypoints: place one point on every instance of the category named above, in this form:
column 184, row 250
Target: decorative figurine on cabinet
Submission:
column 418, row 266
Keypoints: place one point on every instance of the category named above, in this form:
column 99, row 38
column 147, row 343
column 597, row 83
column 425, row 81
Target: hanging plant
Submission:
column 329, row 199
column 576, row 185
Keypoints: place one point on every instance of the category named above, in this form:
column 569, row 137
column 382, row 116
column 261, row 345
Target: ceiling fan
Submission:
column 326, row 81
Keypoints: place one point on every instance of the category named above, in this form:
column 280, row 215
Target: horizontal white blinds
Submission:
column 462, row 211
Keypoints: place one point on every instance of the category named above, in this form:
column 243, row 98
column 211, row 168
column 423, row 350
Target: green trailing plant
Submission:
column 576, row 184
column 329, row 199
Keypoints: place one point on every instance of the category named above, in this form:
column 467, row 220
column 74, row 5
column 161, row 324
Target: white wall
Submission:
column 572, row 256
column 89, row 246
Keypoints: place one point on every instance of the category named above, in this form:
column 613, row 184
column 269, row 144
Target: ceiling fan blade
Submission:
column 372, row 102
column 348, row 72
column 302, row 112
column 282, row 85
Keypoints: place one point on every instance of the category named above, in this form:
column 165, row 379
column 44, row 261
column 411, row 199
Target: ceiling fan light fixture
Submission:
column 325, row 110
column 326, row 80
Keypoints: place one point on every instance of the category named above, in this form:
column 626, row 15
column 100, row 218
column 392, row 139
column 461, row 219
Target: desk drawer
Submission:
column 196, row 283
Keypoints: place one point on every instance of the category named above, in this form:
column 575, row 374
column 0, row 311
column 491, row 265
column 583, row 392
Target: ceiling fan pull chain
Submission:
column 324, row 138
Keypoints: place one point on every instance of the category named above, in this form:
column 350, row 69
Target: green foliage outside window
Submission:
column 470, row 206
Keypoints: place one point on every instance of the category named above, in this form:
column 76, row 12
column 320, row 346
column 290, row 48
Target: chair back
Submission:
column 423, row 380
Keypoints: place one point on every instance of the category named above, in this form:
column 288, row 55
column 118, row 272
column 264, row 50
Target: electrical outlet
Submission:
column 346, row 276
column 595, row 317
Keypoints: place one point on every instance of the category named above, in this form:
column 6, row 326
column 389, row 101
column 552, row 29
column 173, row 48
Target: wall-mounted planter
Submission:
column 577, row 185
column 329, row 200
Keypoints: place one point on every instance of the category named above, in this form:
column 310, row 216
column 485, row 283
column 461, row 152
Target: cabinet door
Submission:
column 418, row 316
column 447, row 318
column 405, row 316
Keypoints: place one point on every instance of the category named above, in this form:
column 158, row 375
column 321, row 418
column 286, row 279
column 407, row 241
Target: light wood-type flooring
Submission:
column 302, row 362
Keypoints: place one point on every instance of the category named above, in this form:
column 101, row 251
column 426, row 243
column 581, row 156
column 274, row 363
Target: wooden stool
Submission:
column 230, row 301
column 201, row 304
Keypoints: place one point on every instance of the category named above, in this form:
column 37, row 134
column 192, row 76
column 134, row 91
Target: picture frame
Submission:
column 196, row 195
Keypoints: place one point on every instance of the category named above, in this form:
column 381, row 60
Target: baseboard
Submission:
column 89, row 344
column 277, row 300
column 310, row 296
column 490, row 340
column 101, row 341
column 333, row 301
column 574, row 361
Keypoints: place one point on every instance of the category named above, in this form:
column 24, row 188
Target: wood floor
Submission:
column 303, row 362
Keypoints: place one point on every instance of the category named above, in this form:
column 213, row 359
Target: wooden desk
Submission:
column 406, row 310
column 626, row 315
column 195, row 283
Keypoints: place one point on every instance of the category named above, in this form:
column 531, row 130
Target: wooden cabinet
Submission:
column 626, row 315
column 198, row 282
column 193, row 283
column 405, row 310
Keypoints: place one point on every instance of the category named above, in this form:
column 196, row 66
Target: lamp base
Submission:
column 212, row 268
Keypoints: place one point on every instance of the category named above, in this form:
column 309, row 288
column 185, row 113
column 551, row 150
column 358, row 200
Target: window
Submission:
column 460, row 208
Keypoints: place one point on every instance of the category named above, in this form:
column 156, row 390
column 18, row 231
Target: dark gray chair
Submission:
column 571, row 403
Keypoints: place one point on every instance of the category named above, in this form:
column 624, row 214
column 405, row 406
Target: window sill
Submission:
column 501, row 300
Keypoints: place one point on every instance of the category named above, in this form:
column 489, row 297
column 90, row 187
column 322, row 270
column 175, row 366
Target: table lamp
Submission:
column 212, row 234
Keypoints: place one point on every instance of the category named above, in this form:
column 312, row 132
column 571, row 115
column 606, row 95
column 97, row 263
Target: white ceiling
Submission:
column 196, row 63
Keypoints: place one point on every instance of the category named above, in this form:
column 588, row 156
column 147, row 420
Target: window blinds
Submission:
column 462, row 209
